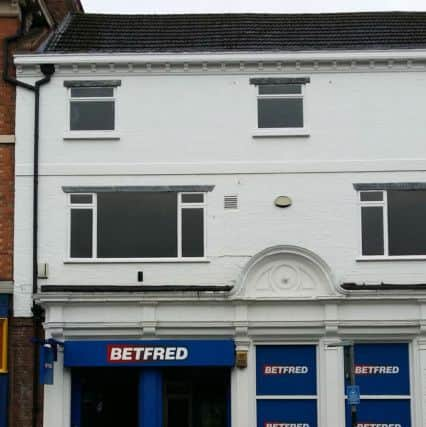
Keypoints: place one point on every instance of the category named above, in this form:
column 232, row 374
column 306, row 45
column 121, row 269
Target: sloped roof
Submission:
column 81, row 33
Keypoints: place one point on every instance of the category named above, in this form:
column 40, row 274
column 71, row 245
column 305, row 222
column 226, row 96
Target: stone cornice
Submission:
column 226, row 63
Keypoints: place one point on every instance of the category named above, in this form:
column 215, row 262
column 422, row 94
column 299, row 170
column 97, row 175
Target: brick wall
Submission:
column 8, row 26
column 60, row 8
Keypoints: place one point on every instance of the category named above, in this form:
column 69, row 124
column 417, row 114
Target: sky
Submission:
column 272, row 6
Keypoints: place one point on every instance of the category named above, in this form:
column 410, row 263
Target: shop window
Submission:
column 383, row 376
column 286, row 385
column 137, row 225
column 393, row 223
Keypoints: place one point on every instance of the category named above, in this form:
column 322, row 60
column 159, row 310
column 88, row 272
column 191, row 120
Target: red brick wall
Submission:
column 8, row 27
column 21, row 374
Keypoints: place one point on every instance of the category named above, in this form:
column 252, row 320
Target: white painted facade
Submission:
column 192, row 121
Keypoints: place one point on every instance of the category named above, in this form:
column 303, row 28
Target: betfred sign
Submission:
column 376, row 370
column 378, row 425
column 285, row 370
column 274, row 424
column 153, row 353
column 382, row 369
column 287, row 413
column 139, row 353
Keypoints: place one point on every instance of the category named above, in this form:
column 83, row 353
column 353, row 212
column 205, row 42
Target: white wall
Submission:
column 197, row 129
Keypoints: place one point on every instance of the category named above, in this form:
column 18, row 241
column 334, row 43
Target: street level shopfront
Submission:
column 270, row 353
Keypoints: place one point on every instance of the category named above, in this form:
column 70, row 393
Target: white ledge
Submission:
column 133, row 260
column 89, row 135
column 268, row 133
column 126, row 58
column 392, row 258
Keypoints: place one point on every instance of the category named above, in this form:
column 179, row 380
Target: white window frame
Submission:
column 295, row 131
column 94, row 259
column 91, row 134
column 384, row 204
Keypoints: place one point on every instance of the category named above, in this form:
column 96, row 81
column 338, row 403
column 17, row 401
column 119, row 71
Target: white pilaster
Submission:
column 331, row 385
column 58, row 396
column 243, row 394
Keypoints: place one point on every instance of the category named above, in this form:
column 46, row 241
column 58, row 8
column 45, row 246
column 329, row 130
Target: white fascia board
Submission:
column 125, row 58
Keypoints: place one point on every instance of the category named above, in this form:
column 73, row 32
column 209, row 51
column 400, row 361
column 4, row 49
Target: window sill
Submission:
column 91, row 135
column 267, row 133
column 134, row 260
column 392, row 258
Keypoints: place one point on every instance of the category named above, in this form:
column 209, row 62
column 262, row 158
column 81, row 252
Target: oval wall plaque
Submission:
column 283, row 202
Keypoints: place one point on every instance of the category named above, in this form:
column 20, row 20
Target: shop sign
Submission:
column 47, row 363
column 3, row 345
column 287, row 413
column 353, row 394
column 382, row 369
column 382, row 413
column 382, row 374
column 150, row 353
column 286, row 370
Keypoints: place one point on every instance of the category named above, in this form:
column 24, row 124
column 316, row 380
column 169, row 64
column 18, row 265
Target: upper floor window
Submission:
column 137, row 224
column 280, row 104
column 92, row 105
column 393, row 222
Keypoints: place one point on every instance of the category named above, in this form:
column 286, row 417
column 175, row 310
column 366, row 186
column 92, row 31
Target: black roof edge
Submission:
column 118, row 288
column 350, row 286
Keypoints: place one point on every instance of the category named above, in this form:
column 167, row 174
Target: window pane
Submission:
column 193, row 232
column 81, row 233
column 280, row 113
column 372, row 230
column 137, row 225
column 88, row 115
column 279, row 89
column 81, row 198
column 371, row 196
column 192, row 198
column 83, row 92
column 407, row 222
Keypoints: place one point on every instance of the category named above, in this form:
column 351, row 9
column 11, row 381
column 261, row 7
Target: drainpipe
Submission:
column 47, row 70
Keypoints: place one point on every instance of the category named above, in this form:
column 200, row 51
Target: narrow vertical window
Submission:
column 372, row 222
column 192, row 225
column 81, row 226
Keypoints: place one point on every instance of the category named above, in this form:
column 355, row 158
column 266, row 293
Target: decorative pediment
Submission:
column 286, row 272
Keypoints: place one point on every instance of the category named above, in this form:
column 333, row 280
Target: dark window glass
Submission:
column 92, row 115
column 81, row 233
column 280, row 113
column 371, row 196
column 192, row 198
column 280, row 89
column 193, row 232
column 137, row 225
column 407, row 222
column 85, row 92
column 81, row 198
column 372, row 230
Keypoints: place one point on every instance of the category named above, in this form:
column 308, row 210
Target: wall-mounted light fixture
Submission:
column 283, row 202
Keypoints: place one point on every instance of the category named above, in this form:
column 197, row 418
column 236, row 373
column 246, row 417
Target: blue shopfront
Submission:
column 160, row 383
column 287, row 389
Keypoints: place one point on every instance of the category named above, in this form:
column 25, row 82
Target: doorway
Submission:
column 108, row 397
column 196, row 397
